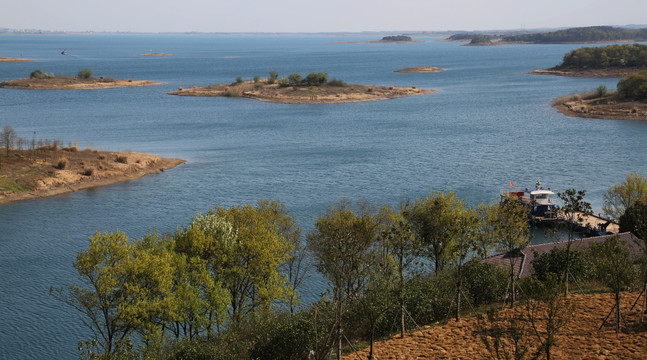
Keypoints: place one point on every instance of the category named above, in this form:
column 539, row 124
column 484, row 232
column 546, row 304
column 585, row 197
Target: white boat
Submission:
column 542, row 207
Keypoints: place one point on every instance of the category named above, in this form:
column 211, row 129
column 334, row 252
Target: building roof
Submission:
column 523, row 260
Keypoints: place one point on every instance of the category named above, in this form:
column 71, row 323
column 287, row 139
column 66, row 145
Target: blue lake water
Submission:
column 489, row 124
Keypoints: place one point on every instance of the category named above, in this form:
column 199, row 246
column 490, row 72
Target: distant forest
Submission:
column 582, row 34
column 613, row 56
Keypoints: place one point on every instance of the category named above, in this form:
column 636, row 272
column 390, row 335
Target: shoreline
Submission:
column 73, row 83
column 587, row 73
column 48, row 182
column 328, row 94
column 375, row 42
column 609, row 107
column 420, row 69
column 10, row 59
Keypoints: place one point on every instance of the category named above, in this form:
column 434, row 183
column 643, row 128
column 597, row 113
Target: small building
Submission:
column 523, row 264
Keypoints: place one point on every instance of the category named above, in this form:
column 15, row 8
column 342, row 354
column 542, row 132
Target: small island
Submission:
column 37, row 170
column 606, row 61
column 156, row 54
column 39, row 80
column 393, row 39
column 420, row 69
column 628, row 103
column 9, row 59
column 315, row 88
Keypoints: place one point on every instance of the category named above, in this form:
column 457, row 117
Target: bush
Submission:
column 123, row 159
column 257, row 79
column 273, row 76
column 601, row 91
column 88, row 172
column 37, row 74
column 484, row 283
column 634, row 86
column 315, row 79
column 294, row 79
column 284, row 82
column 554, row 262
column 239, row 80
column 337, row 83
column 62, row 164
column 428, row 298
column 85, row 74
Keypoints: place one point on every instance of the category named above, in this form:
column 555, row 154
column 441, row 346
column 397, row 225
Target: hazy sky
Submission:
column 314, row 16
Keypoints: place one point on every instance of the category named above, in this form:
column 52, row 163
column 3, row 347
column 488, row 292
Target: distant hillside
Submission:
column 582, row 34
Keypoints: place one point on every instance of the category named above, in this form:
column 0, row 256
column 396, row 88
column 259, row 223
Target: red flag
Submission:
column 511, row 184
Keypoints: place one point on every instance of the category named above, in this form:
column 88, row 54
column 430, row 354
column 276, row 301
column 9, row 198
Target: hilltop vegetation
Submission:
column 581, row 34
column 612, row 56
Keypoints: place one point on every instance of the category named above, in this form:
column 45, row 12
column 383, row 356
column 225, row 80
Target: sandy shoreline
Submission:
column 43, row 179
column 73, row 83
column 9, row 59
column 616, row 72
column 303, row 94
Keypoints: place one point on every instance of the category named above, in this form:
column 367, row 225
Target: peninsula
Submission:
column 420, row 69
column 39, row 80
column 612, row 106
column 49, row 170
column 313, row 89
column 9, row 59
column 605, row 61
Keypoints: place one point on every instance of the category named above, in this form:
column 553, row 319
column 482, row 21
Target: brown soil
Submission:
column 616, row 72
column 36, row 174
column 303, row 95
column 608, row 107
column 72, row 83
column 420, row 69
column 156, row 54
column 8, row 59
column 579, row 339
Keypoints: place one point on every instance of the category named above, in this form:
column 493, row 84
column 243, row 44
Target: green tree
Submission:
column 239, row 79
column 465, row 242
column 85, row 74
column 433, row 223
column 341, row 243
column 294, row 79
column 634, row 86
column 614, row 268
column 572, row 211
column 251, row 268
column 273, row 76
column 620, row 197
column 510, row 227
column 635, row 220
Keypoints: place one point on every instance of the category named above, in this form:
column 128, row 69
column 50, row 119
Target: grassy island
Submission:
column 628, row 103
column 606, row 61
column 315, row 88
column 420, row 69
column 39, row 80
column 49, row 170
column 9, row 59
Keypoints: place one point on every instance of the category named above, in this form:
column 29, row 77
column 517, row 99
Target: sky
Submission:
column 314, row 16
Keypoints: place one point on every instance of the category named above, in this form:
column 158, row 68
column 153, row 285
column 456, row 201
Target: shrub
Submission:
column 484, row 283
column 634, row 86
column 85, row 74
column 601, row 91
column 257, row 79
column 62, row 163
column 37, row 74
column 284, row 82
column 88, row 172
column 239, row 80
column 553, row 262
column 123, row 159
column 294, row 79
column 273, row 76
column 337, row 83
column 315, row 79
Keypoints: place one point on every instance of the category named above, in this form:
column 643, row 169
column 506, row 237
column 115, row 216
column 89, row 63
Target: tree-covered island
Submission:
column 605, row 61
column 315, row 88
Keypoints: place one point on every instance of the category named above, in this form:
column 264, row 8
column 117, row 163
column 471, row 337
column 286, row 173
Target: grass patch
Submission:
column 7, row 184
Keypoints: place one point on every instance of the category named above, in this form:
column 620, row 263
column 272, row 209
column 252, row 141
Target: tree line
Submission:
column 581, row 34
column 227, row 285
column 612, row 56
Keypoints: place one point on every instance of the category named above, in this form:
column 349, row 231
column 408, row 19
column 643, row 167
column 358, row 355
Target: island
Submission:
column 605, row 61
column 420, row 69
column 628, row 103
column 39, row 80
column 156, row 54
column 50, row 170
column 315, row 88
column 10, row 59
column 393, row 39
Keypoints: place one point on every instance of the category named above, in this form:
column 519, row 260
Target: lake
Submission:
column 489, row 124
